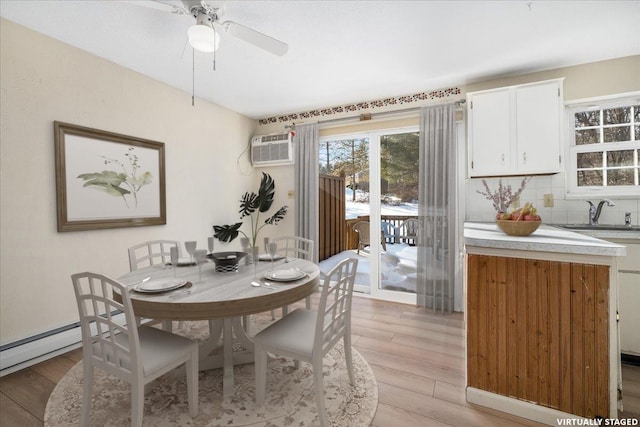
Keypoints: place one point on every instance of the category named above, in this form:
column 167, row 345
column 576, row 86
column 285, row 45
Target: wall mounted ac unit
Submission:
column 272, row 150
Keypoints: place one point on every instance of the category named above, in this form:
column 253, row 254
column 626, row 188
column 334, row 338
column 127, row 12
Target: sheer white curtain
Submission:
column 436, row 211
column 307, row 182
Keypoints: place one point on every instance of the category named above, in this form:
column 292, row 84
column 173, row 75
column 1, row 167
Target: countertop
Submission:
column 546, row 238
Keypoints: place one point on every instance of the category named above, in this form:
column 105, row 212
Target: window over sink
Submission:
column 604, row 146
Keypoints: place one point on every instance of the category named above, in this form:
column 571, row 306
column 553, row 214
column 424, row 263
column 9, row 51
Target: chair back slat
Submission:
column 409, row 232
column 150, row 253
column 295, row 247
column 109, row 330
column 334, row 308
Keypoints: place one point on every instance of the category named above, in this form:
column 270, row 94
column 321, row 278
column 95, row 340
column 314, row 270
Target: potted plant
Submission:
column 252, row 205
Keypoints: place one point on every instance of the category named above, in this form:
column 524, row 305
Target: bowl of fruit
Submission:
column 520, row 222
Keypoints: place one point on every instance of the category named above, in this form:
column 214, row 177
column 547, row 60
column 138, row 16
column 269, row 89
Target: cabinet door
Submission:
column 538, row 128
column 490, row 133
column 628, row 300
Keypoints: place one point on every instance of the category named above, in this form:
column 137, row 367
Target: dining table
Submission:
column 225, row 299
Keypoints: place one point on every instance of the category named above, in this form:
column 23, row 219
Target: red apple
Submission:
column 532, row 217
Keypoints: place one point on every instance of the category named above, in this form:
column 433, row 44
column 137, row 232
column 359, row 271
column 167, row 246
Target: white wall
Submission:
column 43, row 80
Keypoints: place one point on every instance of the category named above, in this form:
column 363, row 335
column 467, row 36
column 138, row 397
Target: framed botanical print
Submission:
column 107, row 180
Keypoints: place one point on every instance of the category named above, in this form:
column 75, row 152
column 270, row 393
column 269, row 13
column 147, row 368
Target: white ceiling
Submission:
column 341, row 51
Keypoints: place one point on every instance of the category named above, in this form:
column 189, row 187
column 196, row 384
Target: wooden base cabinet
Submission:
column 538, row 331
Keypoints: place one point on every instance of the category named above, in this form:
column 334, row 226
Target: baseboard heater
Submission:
column 28, row 351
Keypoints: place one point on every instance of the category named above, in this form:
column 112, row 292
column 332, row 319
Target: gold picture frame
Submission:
column 107, row 180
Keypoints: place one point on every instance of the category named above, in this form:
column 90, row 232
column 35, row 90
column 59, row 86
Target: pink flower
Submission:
column 503, row 197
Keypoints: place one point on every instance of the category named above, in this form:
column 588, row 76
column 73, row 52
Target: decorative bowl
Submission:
column 226, row 262
column 518, row 228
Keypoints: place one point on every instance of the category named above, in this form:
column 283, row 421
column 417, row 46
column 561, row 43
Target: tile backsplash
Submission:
column 564, row 211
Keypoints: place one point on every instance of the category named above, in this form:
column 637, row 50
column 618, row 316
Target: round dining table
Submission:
column 225, row 299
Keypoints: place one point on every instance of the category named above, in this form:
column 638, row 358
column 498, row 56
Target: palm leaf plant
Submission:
column 252, row 205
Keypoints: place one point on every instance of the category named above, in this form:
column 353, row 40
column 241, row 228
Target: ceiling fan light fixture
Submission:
column 203, row 37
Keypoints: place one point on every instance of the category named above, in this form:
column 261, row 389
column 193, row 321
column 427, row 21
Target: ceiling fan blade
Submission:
column 256, row 38
column 160, row 5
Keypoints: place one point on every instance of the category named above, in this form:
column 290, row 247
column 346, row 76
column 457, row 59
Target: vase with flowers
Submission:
column 518, row 222
column 252, row 205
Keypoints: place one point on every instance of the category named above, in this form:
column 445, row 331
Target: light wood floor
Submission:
column 417, row 358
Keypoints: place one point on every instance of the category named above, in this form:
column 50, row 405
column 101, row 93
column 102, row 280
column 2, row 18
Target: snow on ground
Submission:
column 361, row 206
column 398, row 264
column 355, row 209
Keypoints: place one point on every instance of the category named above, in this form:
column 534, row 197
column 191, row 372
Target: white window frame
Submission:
column 572, row 150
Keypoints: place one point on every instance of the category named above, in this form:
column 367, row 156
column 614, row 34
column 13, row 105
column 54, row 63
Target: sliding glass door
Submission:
column 380, row 171
column 398, row 177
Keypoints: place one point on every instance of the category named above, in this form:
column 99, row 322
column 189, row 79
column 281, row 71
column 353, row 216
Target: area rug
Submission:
column 290, row 399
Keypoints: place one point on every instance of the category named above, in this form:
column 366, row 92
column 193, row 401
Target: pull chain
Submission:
column 193, row 77
column 215, row 34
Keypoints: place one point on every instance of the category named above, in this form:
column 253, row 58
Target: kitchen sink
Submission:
column 612, row 227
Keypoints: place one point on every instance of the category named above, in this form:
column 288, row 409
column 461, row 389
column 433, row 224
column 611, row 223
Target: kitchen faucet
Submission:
column 594, row 212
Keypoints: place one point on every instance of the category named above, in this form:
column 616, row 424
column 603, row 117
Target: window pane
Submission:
column 587, row 118
column 636, row 108
column 619, row 158
column 587, row 178
column 616, row 134
column 587, row 136
column 637, row 131
column 620, row 177
column 615, row 116
column 590, row 160
column 399, row 177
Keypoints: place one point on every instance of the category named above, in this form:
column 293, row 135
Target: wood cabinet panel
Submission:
column 538, row 331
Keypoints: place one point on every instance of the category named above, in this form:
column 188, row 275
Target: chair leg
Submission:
column 307, row 303
column 261, row 373
column 137, row 403
column 319, row 388
column 87, row 392
column 347, row 357
column 192, row 382
column 273, row 315
column 246, row 323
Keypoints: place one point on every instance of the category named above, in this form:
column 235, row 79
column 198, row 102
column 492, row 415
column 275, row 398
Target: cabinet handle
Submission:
column 502, row 158
column 524, row 157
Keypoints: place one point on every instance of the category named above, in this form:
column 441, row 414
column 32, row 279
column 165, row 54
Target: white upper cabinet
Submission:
column 515, row 130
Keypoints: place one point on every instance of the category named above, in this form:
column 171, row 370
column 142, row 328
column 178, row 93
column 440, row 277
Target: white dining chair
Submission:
column 295, row 247
column 147, row 254
column 112, row 341
column 154, row 252
column 308, row 335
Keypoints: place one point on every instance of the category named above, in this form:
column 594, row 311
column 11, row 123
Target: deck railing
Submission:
column 352, row 237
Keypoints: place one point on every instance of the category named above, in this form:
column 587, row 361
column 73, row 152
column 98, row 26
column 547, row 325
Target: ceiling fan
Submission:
column 203, row 34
